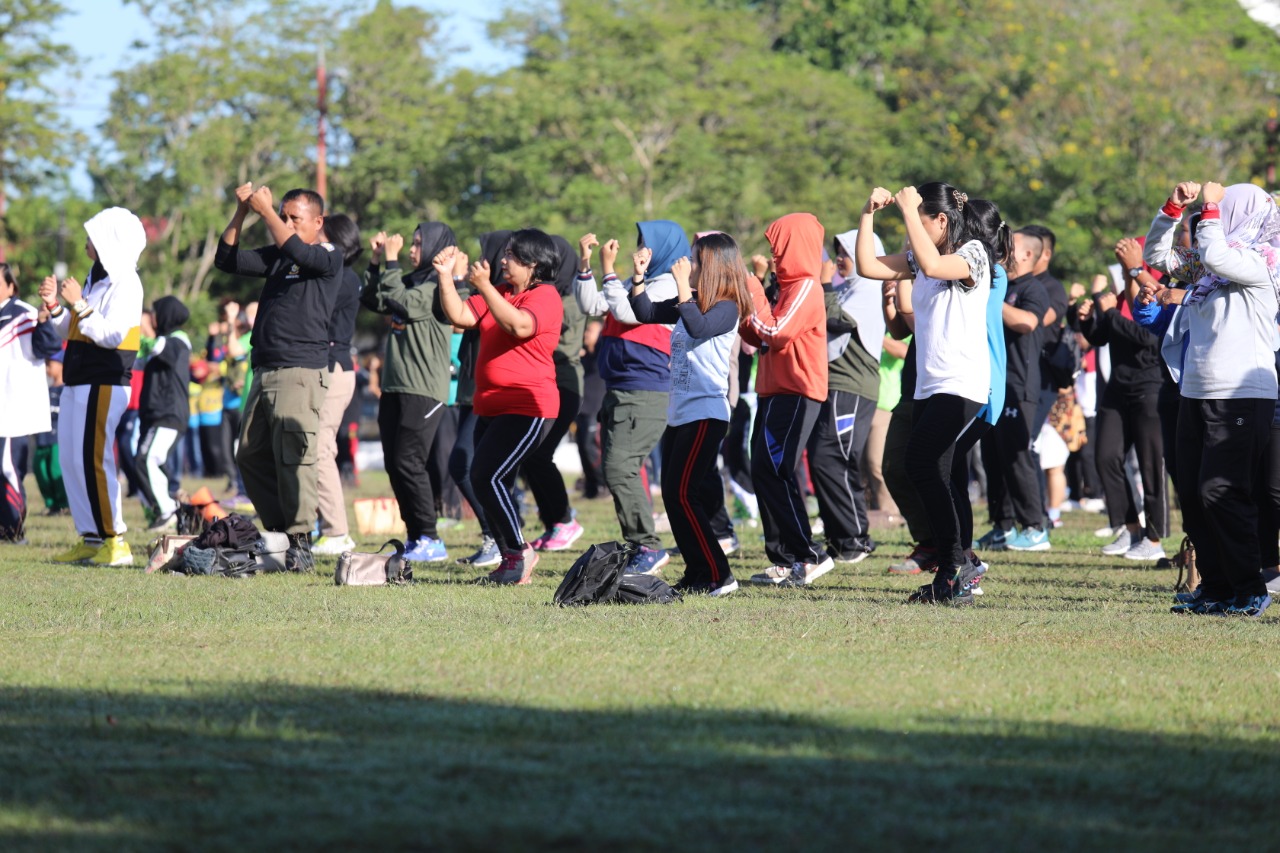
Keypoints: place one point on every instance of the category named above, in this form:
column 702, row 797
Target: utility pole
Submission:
column 321, row 154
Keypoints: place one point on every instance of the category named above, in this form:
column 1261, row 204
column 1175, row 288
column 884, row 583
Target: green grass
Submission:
column 1067, row 709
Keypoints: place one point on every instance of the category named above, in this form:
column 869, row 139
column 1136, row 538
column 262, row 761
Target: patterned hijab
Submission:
column 1250, row 222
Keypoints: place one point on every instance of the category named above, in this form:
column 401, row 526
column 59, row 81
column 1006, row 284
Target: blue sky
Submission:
column 102, row 30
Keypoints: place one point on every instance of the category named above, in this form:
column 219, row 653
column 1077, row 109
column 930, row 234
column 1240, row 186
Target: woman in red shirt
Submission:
column 516, row 399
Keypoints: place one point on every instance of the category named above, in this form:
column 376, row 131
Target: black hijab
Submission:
column 436, row 237
column 567, row 272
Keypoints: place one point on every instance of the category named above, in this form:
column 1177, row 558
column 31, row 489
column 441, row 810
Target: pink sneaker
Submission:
column 516, row 568
column 559, row 538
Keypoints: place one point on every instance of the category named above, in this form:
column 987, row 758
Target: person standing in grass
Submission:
column 947, row 275
column 634, row 361
column 163, row 411
column 711, row 299
column 791, row 386
column 25, row 343
column 545, row 481
column 415, row 376
column 1221, row 348
column 335, row 530
column 516, row 396
column 102, row 326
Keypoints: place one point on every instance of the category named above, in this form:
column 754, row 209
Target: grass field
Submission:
column 1067, row 709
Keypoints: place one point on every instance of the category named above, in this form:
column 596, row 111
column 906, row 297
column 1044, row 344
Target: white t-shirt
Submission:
column 951, row 330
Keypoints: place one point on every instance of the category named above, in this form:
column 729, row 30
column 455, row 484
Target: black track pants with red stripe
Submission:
column 691, row 497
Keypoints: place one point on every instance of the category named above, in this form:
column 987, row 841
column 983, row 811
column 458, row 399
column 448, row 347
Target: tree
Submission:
column 225, row 96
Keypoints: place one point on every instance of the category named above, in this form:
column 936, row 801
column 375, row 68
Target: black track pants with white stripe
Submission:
column 783, row 425
column 502, row 443
column 835, row 466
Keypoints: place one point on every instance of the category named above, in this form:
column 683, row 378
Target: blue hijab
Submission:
column 667, row 242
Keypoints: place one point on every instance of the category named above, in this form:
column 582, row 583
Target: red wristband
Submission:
column 1171, row 209
column 1210, row 211
column 51, row 305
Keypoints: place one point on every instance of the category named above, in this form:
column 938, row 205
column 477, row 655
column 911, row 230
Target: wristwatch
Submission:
column 1134, row 272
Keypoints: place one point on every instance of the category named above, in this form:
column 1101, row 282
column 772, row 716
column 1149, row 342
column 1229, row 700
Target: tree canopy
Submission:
column 1077, row 114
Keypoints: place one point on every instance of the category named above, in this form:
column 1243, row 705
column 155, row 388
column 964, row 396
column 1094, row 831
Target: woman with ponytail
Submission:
column 946, row 277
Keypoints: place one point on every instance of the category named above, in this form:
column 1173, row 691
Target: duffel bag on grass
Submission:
column 599, row 576
column 645, row 589
column 376, row 569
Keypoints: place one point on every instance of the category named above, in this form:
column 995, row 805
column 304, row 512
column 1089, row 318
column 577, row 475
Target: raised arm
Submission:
column 455, row 310
column 1159, row 251
column 1245, row 267
column 228, row 258
column 889, row 267
column 932, row 263
column 590, row 300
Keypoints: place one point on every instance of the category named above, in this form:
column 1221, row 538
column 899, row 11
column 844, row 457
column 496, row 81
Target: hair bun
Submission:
column 960, row 198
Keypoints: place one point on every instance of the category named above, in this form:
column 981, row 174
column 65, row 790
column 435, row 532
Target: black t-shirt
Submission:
column 1022, row 378
column 342, row 323
column 292, row 327
column 1052, row 333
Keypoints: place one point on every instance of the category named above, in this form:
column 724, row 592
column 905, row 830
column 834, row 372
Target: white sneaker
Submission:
column 1120, row 545
column 804, row 574
column 1108, row 532
column 1093, row 505
column 1146, row 550
column 772, row 576
column 333, row 545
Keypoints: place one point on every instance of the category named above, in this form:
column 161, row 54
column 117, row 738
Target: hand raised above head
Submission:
column 49, row 289
column 1185, row 193
column 640, row 260
column 443, row 262
column 585, row 243
column 71, row 291
column 392, row 246
column 261, row 201
column 908, row 199
column 1214, row 192
column 242, row 194
column 681, row 270
column 460, row 263
column 880, row 199
column 609, row 252
column 1129, row 253
column 760, row 266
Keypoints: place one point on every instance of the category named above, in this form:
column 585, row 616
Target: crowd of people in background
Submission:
column 815, row 392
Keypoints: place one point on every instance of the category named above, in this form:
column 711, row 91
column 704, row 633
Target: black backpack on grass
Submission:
column 645, row 589
column 595, row 576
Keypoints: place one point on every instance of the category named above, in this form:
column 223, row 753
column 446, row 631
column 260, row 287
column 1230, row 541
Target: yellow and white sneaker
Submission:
column 82, row 552
column 114, row 552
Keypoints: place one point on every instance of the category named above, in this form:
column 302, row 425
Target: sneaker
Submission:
column 729, row 545
column 1248, row 605
column 1272, row 582
column 299, row 558
column 1120, row 545
column 1203, row 605
column 333, row 545
column 995, row 539
column 560, row 537
column 647, row 561
column 488, row 554
column 772, row 576
column 970, row 575
column 855, row 556
column 1030, row 539
column 921, row 559
column 164, row 524
column 516, row 568
column 726, row 587
column 427, row 550
column 943, row 592
column 803, row 574
column 113, row 551
column 82, row 552
column 1107, row 532
column 1146, row 550
column 1093, row 505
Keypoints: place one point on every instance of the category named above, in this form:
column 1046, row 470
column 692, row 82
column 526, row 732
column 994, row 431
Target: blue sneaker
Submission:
column 488, row 554
column 994, row 539
column 427, row 550
column 649, row 561
column 1203, row 606
column 1030, row 539
column 1248, row 605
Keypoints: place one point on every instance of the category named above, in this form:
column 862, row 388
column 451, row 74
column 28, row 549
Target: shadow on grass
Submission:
column 275, row 766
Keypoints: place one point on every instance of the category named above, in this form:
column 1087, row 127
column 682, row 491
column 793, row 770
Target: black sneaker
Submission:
column 299, row 558
column 942, row 592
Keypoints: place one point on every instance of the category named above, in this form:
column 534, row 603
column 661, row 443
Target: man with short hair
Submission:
column 1013, row 488
column 290, row 359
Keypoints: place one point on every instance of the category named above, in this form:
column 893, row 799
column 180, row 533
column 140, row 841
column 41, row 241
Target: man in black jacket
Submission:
column 290, row 358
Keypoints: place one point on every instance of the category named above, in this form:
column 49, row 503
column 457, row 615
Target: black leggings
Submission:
column 502, row 443
column 936, row 425
column 1122, row 424
column 540, row 471
column 464, row 450
column 407, row 423
column 691, row 497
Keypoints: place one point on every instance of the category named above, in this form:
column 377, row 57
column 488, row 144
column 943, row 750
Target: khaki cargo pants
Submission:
column 279, row 447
